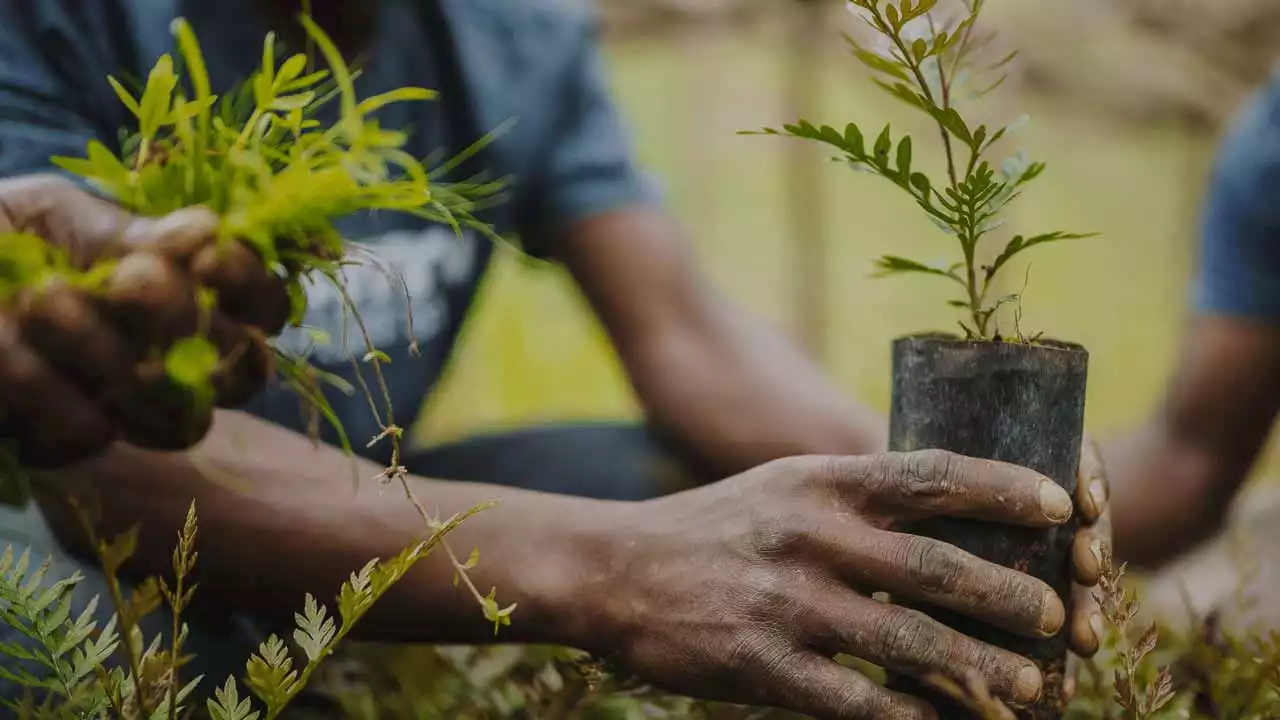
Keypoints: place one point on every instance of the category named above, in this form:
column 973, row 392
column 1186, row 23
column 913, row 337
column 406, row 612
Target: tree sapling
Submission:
column 1015, row 399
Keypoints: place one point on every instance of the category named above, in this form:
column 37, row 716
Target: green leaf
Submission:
column 876, row 62
column 226, row 704
column 919, row 49
column 921, row 8
column 904, row 156
column 1018, row 243
column 853, row 141
column 405, row 94
column 377, row 356
column 153, row 109
column 270, row 674
column 891, row 14
column 315, row 629
column 289, row 71
column 192, row 361
column 893, row 264
column 125, row 97
column 883, row 144
column 920, row 182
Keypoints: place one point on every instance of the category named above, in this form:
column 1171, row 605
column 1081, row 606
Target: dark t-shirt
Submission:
column 1240, row 252
column 534, row 61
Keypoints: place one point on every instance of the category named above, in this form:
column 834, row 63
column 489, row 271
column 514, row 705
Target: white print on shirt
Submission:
column 430, row 263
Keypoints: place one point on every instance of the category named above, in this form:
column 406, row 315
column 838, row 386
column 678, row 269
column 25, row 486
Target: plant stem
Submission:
column 391, row 431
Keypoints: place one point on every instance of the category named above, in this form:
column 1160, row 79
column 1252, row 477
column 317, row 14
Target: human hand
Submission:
column 1091, row 545
column 745, row 589
column 80, row 369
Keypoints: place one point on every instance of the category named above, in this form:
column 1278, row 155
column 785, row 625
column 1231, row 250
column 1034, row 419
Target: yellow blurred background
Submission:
column 532, row 352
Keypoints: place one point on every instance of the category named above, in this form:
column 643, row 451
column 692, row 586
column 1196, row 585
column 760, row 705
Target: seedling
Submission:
column 1018, row 402
column 935, row 66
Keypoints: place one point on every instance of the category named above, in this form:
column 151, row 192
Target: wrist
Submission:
column 568, row 581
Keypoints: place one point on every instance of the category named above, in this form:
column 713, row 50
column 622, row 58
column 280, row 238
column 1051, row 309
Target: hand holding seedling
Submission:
column 80, row 362
column 745, row 589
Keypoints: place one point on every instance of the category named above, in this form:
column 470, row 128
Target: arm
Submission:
column 258, row 486
column 730, row 389
column 735, row 391
column 742, row 590
column 1174, row 479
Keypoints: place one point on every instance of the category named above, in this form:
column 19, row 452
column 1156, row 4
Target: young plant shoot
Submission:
column 933, row 65
column 277, row 179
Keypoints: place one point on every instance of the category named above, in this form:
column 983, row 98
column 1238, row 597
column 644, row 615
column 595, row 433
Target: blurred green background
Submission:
column 532, row 352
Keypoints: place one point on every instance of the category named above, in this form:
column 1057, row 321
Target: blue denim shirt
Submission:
column 1239, row 272
column 533, row 61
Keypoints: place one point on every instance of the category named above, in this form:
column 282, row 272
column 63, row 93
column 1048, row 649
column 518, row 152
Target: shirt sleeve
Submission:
column 1240, row 243
column 588, row 165
column 46, row 93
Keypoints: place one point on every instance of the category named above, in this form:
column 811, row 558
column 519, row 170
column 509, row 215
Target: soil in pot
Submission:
column 1021, row 403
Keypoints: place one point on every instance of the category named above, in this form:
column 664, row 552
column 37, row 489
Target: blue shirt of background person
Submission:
column 1240, row 255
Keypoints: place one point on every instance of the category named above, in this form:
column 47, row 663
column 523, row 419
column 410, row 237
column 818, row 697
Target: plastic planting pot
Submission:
column 1014, row 402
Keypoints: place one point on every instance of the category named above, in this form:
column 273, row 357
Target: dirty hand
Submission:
column 744, row 590
column 1092, row 544
column 79, row 370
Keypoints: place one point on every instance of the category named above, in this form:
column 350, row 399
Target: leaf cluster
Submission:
column 928, row 63
column 277, row 178
column 72, row 668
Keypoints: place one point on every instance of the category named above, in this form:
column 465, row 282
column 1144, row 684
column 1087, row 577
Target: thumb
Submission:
column 176, row 236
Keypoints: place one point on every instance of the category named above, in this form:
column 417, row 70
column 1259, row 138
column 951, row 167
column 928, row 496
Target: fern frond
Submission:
column 64, row 651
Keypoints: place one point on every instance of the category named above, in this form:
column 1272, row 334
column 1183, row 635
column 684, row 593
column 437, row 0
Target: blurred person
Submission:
column 741, row 589
column 1174, row 479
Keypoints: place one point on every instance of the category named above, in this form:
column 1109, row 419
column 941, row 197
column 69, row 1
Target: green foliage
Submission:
column 930, row 63
column 69, row 664
column 277, row 179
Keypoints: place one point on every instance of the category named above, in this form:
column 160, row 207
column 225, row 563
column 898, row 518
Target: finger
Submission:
column 247, row 291
column 821, row 688
column 248, row 362
column 54, row 208
column 176, row 236
column 160, row 414
column 934, row 572
column 53, row 423
column 1069, row 682
column 60, row 323
column 1086, row 556
column 1086, row 626
column 1092, row 492
column 151, row 299
column 935, row 482
column 910, row 642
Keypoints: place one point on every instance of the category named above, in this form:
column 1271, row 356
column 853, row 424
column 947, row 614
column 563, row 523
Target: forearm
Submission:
column 257, row 486
column 1166, row 497
column 740, row 394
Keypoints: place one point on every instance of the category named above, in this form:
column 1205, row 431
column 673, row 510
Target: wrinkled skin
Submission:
column 81, row 371
column 744, row 590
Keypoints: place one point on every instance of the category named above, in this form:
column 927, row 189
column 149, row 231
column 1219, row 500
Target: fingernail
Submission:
column 1052, row 614
column 1095, row 547
column 1098, row 491
column 1026, row 688
column 1095, row 622
column 1054, row 501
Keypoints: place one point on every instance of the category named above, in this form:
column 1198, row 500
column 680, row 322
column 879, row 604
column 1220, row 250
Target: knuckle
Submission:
column 925, row 475
column 856, row 702
column 780, row 536
column 913, row 641
column 934, row 567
